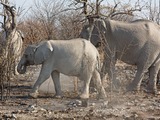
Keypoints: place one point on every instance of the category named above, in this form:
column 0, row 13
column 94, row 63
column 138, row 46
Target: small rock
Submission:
column 92, row 104
column 19, row 111
column 42, row 109
column 84, row 103
column 142, row 105
column 81, row 110
column 104, row 104
column 130, row 104
column 31, row 108
column 78, row 102
column 75, row 103
column 49, row 112
column 9, row 116
column 14, row 116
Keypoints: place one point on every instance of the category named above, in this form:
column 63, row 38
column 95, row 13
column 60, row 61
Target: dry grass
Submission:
column 6, row 70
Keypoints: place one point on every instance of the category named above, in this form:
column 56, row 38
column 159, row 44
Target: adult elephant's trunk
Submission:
column 21, row 67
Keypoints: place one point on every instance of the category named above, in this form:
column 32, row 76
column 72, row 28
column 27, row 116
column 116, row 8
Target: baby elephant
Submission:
column 76, row 57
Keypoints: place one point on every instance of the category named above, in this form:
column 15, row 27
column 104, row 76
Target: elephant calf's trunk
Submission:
column 21, row 69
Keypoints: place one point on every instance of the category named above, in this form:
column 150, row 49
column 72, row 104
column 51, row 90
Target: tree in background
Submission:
column 49, row 20
column 154, row 11
column 55, row 19
column 10, row 45
column 119, row 10
column 64, row 19
column 69, row 25
column 40, row 24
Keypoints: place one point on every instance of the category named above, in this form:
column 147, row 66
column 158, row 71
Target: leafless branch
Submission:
column 114, row 9
column 128, row 12
column 2, row 24
column 9, row 12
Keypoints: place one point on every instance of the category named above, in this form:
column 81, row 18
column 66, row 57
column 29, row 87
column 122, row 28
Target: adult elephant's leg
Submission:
column 104, row 70
column 136, row 83
column 145, row 62
column 109, row 67
column 43, row 76
column 153, row 72
column 56, row 80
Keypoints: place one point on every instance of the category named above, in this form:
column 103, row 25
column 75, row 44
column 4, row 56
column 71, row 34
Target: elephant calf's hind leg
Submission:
column 85, row 91
column 98, row 84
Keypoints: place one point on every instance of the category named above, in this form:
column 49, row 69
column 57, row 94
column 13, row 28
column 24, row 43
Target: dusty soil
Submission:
column 119, row 105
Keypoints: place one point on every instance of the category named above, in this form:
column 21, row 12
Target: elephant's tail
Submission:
column 98, row 63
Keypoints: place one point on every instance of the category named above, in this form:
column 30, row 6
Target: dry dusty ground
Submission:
column 117, row 106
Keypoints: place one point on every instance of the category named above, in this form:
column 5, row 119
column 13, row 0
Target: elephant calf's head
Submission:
column 27, row 59
column 34, row 55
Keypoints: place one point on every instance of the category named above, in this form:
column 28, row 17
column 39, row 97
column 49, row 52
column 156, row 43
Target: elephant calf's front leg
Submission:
column 44, row 75
column 57, row 85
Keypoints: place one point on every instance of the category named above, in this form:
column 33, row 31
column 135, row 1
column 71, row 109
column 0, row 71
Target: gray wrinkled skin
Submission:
column 136, row 43
column 76, row 57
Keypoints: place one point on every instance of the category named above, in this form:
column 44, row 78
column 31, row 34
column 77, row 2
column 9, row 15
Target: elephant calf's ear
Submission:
column 43, row 52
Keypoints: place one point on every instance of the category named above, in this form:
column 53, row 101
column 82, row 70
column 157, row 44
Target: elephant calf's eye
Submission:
column 26, row 56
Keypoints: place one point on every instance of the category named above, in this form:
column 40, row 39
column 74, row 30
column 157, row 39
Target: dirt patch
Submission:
column 119, row 105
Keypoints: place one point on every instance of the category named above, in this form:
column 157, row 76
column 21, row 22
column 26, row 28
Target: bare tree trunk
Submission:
column 97, row 7
column 7, row 59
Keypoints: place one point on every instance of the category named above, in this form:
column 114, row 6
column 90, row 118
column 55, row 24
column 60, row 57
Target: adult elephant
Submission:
column 136, row 43
column 76, row 57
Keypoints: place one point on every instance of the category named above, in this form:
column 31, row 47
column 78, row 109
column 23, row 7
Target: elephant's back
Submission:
column 70, row 52
column 73, row 45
